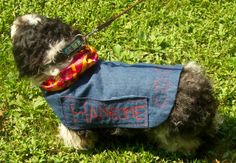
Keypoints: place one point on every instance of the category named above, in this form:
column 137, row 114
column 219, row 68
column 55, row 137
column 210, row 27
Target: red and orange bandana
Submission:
column 82, row 61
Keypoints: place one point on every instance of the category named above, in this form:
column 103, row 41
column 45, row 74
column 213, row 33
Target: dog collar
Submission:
column 76, row 44
column 81, row 61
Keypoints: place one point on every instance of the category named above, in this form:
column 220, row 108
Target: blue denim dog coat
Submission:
column 113, row 94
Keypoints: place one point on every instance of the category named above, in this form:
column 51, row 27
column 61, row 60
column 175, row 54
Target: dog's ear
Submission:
column 29, row 50
column 55, row 30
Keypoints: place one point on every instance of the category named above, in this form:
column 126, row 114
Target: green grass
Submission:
column 156, row 31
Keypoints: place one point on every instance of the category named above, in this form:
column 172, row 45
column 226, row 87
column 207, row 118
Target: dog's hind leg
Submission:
column 172, row 142
column 81, row 140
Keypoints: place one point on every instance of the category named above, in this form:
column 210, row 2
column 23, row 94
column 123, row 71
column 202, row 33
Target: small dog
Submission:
column 38, row 43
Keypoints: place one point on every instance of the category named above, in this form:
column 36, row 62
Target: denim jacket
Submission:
column 113, row 94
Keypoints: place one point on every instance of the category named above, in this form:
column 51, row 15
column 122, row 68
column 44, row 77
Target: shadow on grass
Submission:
column 222, row 148
column 225, row 143
column 1, row 121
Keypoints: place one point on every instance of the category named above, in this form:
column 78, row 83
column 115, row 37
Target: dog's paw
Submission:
column 81, row 140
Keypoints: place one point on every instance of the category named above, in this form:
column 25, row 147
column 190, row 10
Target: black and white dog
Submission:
column 37, row 45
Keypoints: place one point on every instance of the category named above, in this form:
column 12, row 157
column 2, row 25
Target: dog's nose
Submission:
column 29, row 19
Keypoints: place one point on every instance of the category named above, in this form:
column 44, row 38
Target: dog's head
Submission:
column 37, row 45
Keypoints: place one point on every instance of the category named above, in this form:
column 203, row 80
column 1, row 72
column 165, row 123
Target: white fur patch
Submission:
column 54, row 49
column 193, row 66
column 54, row 71
column 31, row 19
column 13, row 29
column 70, row 137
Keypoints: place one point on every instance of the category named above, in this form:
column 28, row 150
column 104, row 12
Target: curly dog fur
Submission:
column 38, row 40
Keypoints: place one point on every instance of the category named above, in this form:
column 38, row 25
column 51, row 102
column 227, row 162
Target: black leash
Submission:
column 112, row 19
column 77, row 43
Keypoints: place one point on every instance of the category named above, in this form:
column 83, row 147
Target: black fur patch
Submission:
column 195, row 106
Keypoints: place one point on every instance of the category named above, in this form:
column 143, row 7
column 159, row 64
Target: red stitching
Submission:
column 110, row 113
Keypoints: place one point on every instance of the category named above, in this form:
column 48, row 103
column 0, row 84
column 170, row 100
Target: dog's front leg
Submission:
column 81, row 140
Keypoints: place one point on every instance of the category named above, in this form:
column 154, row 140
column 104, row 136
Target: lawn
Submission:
column 156, row 31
